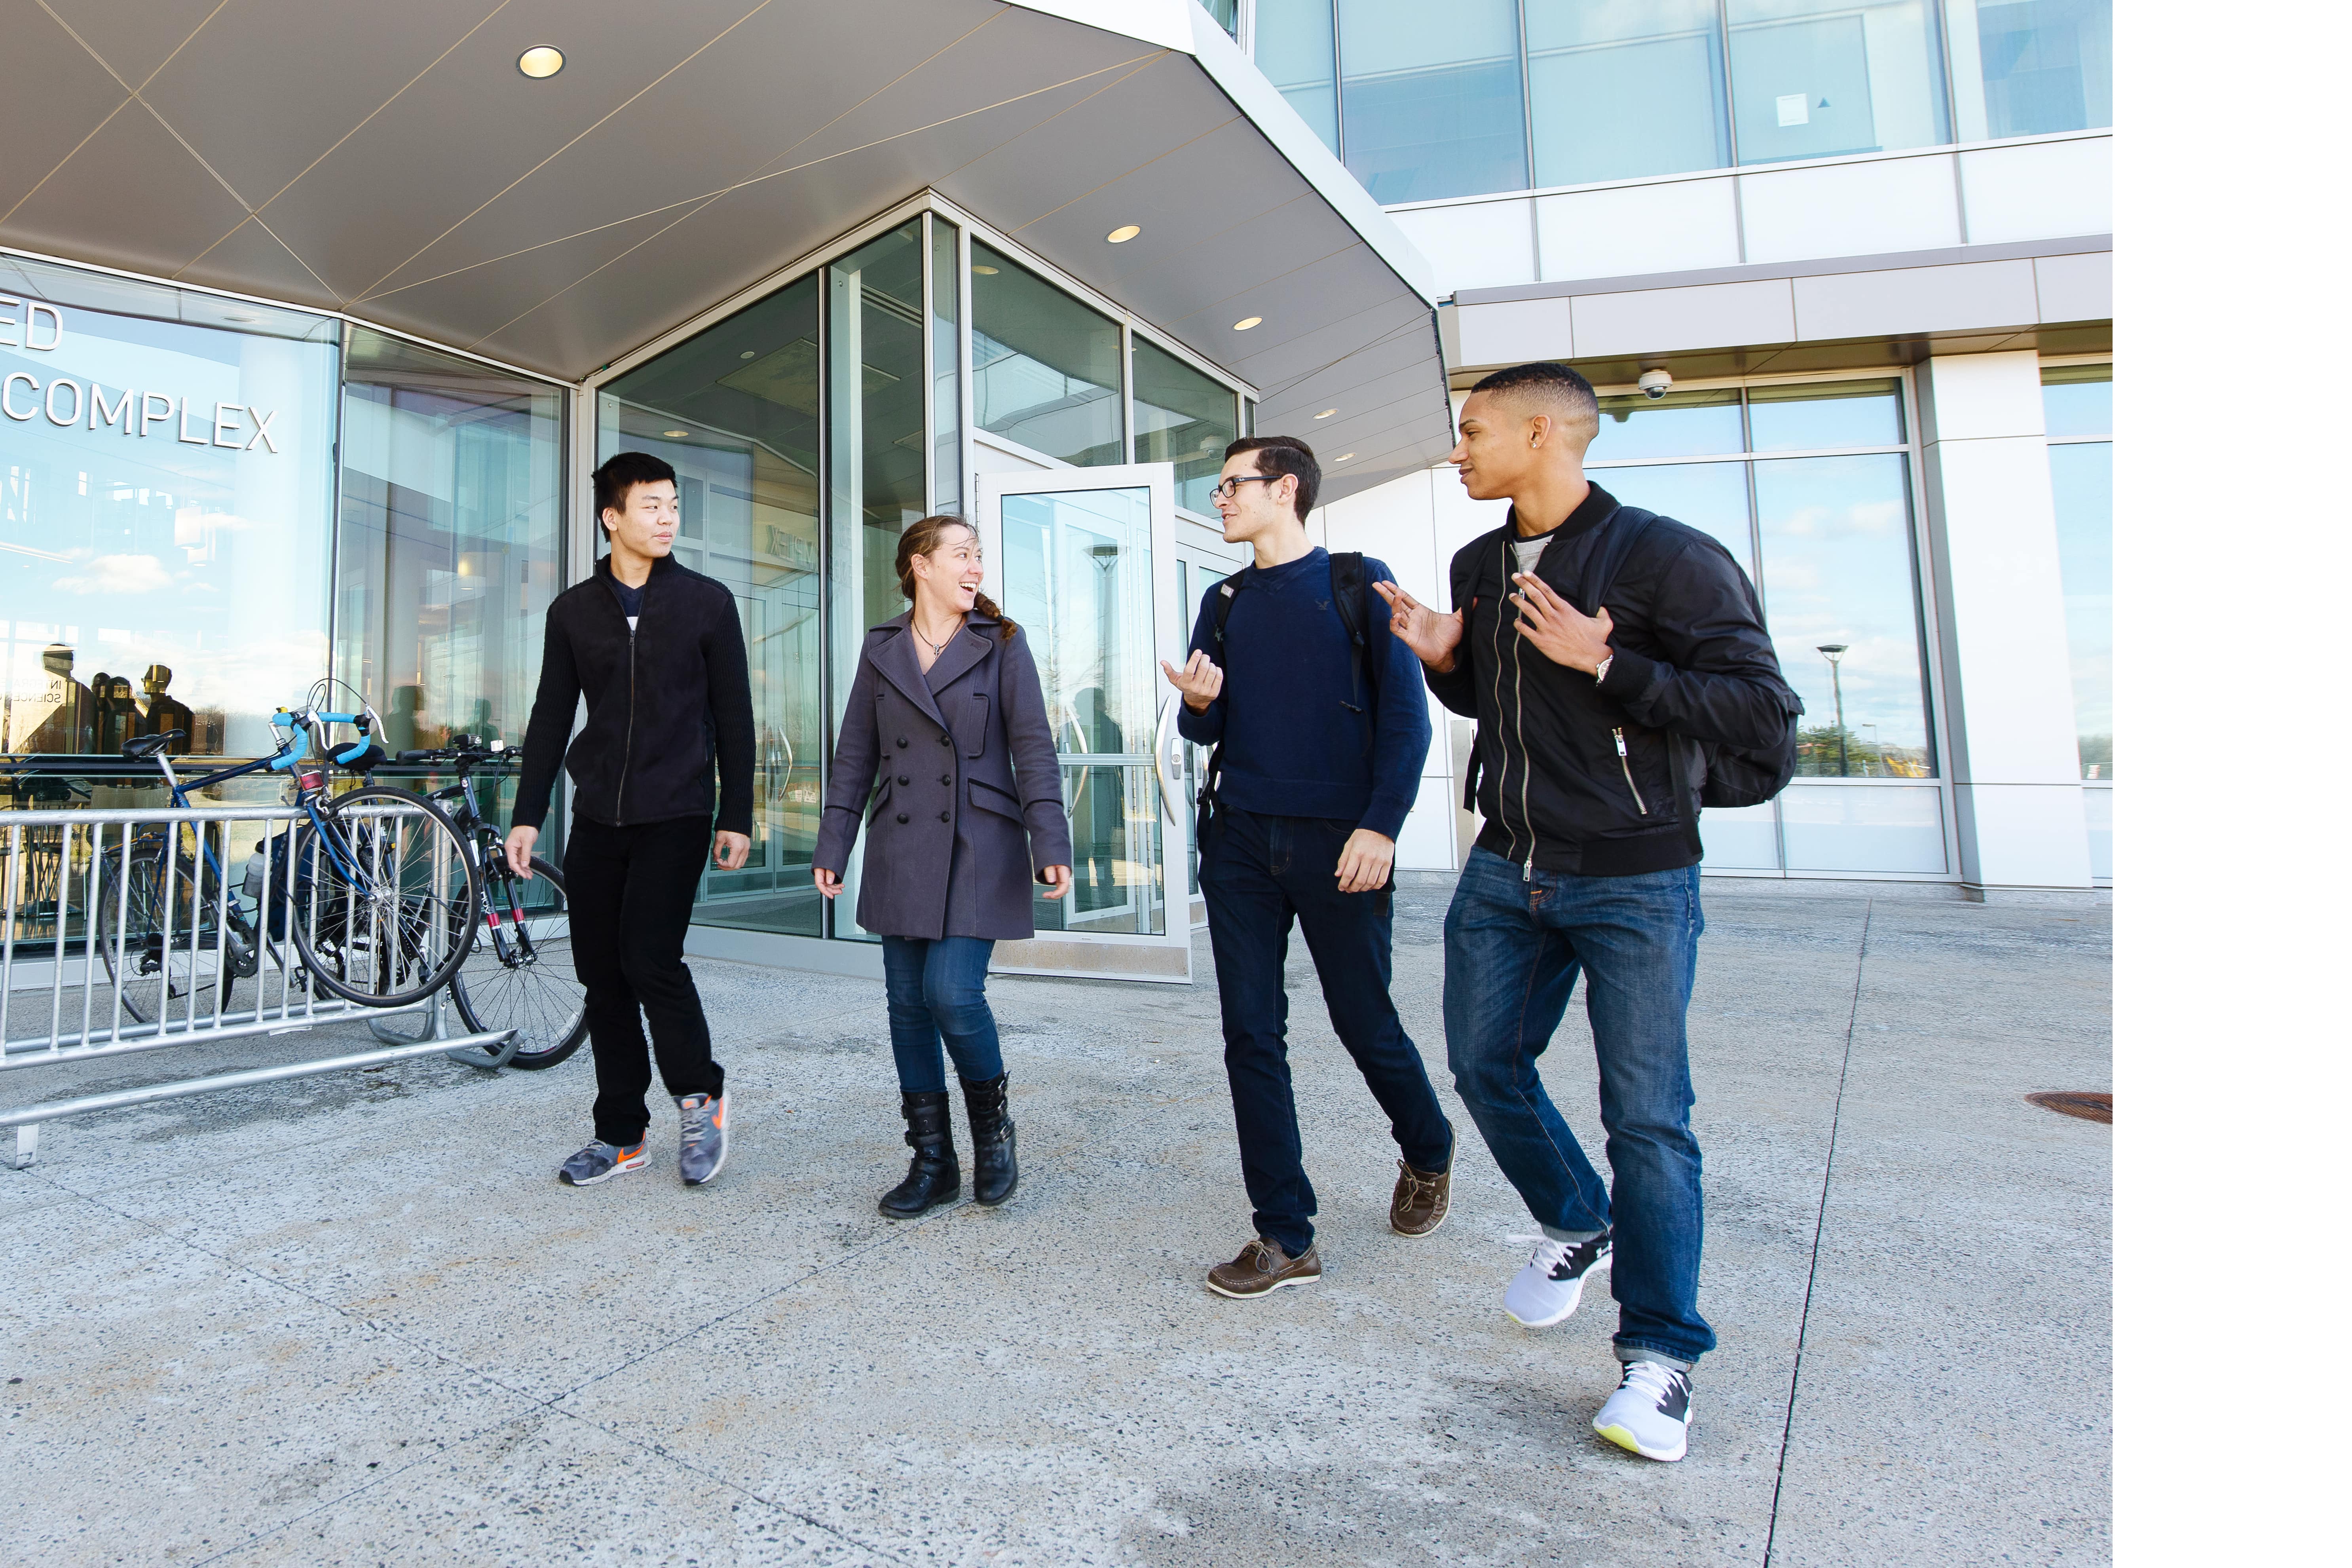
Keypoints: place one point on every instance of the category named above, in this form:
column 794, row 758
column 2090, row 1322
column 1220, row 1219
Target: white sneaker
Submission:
column 1548, row 1290
column 1650, row 1412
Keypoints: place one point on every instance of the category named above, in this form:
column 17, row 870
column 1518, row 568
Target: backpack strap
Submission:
column 1350, row 592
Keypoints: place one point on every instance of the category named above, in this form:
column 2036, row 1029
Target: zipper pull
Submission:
column 1620, row 740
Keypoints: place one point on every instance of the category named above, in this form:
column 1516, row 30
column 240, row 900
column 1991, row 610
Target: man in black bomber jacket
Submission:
column 657, row 652
column 1593, row 737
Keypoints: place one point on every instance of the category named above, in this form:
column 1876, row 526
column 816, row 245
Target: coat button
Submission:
column 902, row 817
column 943, row 816
column 902, row 778
column 943, row 741
column 947, row 779
column 902, row 740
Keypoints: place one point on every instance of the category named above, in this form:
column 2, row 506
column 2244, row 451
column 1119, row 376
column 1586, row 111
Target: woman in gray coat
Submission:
column 946, row 750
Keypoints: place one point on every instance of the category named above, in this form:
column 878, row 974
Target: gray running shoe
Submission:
column 601, row 1161
column 702, row 1136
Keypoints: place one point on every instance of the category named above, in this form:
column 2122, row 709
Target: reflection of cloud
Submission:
column 117, row 574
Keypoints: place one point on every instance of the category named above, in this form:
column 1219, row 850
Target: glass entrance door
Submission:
column 1086, row 560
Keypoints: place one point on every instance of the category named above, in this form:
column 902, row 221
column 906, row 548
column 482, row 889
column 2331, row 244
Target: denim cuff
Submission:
column 1629, row 1354
column 1572, row 1237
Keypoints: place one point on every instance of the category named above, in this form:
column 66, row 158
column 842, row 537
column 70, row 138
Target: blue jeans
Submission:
column 938, row 990
column 1513, row 947
column 1256, row 873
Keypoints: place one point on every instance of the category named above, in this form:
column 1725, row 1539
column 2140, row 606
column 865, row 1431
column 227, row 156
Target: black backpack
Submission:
column 1736, row 776
column 1351, row 594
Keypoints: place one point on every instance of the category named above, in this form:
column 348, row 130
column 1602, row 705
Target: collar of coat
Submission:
column 891, row 647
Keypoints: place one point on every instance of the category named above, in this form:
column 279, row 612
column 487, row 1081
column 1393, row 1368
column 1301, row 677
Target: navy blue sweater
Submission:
column 1299, row 740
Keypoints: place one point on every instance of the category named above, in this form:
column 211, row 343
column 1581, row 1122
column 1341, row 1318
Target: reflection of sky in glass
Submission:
column 1836, row 535
column 1825, row 417
column 2081, row 481
column 1684, row 425
column 2079, row 407
column 1711, row 497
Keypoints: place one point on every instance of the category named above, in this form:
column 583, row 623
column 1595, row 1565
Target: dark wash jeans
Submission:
column 631, row 891
column 1513, row 947
column 938, row 990
column 1256, row 873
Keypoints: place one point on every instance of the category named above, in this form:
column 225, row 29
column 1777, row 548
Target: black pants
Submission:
column 632, row 892
column 1257, row 873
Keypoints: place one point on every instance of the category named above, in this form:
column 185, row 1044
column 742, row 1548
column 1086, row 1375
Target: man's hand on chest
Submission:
column 1558, row 629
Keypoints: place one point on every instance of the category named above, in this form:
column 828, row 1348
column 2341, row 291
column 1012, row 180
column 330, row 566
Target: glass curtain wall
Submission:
column 736, row 409
column 1184, row 417
column 1045, row 368
column 167, row 487
column 1808, row 485
column 2078, row 411
column 1422, row 108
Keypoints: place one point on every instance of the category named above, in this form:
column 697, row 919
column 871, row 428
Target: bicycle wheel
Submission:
column 520, row 975
column 384, row 897
column 165, row 955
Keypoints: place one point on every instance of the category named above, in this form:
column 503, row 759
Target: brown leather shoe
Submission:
column 1263, row 1269
column 1420, row 1202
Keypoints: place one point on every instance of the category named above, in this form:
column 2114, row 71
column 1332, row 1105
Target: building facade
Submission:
column 1868, row 244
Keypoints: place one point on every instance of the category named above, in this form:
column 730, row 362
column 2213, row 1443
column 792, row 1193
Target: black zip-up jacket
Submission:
column 1574, row 776
column 662, row 702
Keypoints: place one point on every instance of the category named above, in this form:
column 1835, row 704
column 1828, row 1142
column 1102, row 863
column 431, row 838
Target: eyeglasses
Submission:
column 1226, row 490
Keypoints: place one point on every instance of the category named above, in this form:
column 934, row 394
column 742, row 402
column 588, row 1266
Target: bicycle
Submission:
column 520, row 975
column 379, row 877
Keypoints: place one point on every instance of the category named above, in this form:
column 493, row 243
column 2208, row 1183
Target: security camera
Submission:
column 1653, row 383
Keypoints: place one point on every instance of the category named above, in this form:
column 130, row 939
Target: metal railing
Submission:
column 123, row 931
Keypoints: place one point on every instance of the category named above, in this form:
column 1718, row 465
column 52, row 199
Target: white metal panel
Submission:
column 1745, row 839
column 2041, row 190
column 1674, row 225
column 1915, row 300
column 2076, row 288
column 1477, row 244
column 2099, row 820
column 1711, row 315
column 1896, row 828
column 1513, row 331
column 2026, row 836
column 1866, row 208
column 1973, row 397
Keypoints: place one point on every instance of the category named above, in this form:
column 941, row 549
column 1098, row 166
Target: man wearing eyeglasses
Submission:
column 1320, row 729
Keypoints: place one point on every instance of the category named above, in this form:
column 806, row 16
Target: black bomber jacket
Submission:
column 1575, row 776
column 665, row 701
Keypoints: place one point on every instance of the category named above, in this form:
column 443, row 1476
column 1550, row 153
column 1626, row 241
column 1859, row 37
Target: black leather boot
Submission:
column 994, row 1173
column 932, row 1176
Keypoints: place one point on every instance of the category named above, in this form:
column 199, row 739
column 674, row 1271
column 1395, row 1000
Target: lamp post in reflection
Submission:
column 1832, row 651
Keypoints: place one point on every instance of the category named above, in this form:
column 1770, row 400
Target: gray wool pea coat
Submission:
column 956, row 771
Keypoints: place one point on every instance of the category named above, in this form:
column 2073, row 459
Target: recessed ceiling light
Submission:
column 1246, row 322
column 240, row 315
column 983, row 270
column 681, row 435
column 1343, row 457
column 1124, row 233
column 1326, row 413
column 749, row 353
column 539, row 62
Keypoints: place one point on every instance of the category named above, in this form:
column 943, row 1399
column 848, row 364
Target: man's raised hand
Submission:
column 1200, row 680
column 1432, row 637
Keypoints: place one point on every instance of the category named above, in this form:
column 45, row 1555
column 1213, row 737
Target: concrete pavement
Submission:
column 356, row 1321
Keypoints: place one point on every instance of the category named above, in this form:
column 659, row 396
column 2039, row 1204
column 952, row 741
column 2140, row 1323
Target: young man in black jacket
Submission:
column 1593, row 732
column 658, row 653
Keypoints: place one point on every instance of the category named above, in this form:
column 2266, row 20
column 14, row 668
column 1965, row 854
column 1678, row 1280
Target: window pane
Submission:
column 2079, row 400
column 946, row 403
column 875, row 311
column 1044, row 367
column 177, row 580
column 452, row 541
column 1224, row 13
column 1811, row 79
column 1433, row 111
column 1181, row 417
column 735, row 410
column 2028, row 67
column 1836, row 536
column 1293, row 47
column 1679, row 425
column 1621, row 88
column 1817, row 416
column 1711, row 497
column 2081, row 481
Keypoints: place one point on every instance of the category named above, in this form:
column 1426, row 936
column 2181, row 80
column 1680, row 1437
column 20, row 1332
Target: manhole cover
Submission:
column 2090, row 1106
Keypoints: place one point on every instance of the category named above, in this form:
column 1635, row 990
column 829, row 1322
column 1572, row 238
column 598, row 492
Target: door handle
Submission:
column 1168, row 760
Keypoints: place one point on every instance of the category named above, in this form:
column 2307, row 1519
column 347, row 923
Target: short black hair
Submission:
column 1548, row 381
column 1280, row 455
column 623, row 471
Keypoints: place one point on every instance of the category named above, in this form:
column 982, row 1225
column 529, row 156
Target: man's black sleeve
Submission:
column 1720, row 680
column 1457, row 688
column 728, row 675
column 544, row 737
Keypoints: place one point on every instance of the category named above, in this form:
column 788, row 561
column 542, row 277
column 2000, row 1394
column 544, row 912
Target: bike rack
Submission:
column 60, row 983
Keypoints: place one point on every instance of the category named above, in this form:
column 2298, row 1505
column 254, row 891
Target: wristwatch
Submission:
column 1600, row 670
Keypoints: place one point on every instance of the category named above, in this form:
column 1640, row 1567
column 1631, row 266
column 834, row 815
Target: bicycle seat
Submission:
column 146, row 746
